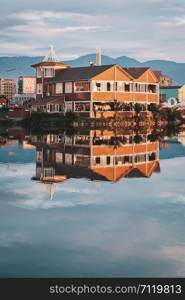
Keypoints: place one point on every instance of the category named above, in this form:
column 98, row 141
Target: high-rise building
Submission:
column 7, row 88
column 27, row 85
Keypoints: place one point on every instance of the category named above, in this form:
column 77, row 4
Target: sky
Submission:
column 141, row 29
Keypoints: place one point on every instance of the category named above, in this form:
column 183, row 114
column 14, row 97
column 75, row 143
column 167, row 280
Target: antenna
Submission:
column 91, row 63
column 51, row 55
column 98, row 57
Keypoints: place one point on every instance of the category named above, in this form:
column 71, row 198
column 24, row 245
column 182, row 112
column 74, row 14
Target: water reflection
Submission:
column 95, row 155
column 91, row 227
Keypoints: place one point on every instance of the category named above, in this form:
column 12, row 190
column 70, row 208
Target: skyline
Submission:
column 144, row 30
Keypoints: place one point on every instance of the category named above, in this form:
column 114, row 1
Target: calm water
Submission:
column 83, row 216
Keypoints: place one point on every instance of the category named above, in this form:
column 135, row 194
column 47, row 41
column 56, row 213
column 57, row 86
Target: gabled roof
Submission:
column 136, row 173
column 48, row 100
column 158, row 74
column 136, row 72
column 81, row 73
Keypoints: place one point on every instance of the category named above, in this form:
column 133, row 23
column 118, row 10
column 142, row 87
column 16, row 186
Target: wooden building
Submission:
column 93, row 91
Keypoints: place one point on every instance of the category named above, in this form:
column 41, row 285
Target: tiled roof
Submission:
column 81, row 73
column 136, row 72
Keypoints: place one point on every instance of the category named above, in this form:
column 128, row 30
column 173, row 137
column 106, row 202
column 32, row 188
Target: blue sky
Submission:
column 142, row 29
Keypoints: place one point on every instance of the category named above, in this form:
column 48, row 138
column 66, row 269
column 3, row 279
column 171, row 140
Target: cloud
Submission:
column 27, row 27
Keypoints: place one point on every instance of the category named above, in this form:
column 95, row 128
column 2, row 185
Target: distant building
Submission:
column 172, row 95
column 182, row 93
column 20, row 99
column 163, row 80
column 7, row 88
column 92, row 91
column 27, row 85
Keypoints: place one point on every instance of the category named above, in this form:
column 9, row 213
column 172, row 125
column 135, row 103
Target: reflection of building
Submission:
column 7, row 88
column 101, row 156
column 93, row 90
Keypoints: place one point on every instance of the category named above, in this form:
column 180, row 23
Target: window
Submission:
column 39, row 88
column 59, row 88
column 82, row 140
column 152, row 88
column 59, row 157
column 68, row 159
column 97, row 160
column 140, row 158
column 108, row 160
column 48, row 172
column 39, row 156
column 68, row 87
column 98, row 86
column 38, row 172
column 39, row 72
column 68, row 140
column 82, row 86
column 127, row 87
column 108, row 86
column 82, row 107
column 48, row 72
column 61, row 107
column 68, row 106
column 57, row 107
column 152, row 156
column 82, row 160
column 119, row 86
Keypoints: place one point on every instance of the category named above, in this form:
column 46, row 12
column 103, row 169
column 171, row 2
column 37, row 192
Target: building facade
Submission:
column 7, row 88
column 27, row 85
column 172, row 95
column 93, row 91
column 163, row 80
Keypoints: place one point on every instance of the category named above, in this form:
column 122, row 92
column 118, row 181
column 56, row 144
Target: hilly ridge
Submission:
column 22, row 64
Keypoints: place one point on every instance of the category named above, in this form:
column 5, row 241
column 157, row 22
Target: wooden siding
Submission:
column 124, row 150
column 115, row 72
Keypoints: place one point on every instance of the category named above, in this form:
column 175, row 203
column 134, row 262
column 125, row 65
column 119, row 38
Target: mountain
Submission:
column 173, row 151
column 22, row 64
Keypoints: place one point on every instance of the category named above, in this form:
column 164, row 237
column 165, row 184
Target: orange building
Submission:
column 93, row 91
